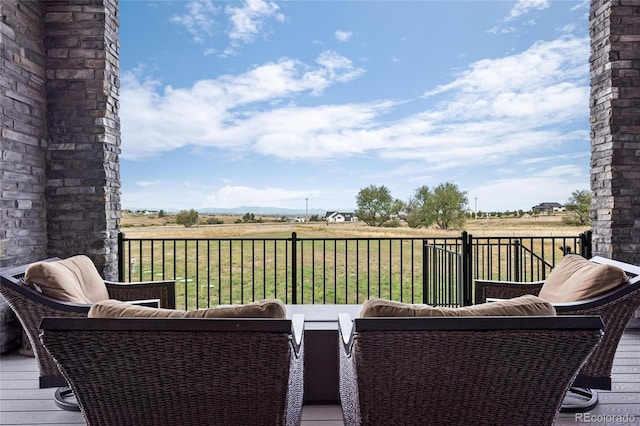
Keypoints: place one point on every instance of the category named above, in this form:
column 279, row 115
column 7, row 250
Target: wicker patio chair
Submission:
column 454, row 371
column 181, row 371
column 30, row 306
column 615, row 306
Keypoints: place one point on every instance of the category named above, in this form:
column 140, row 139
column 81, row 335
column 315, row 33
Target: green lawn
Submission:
column 216, row 271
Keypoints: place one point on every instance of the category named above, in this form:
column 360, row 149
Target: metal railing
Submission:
column 437, row 271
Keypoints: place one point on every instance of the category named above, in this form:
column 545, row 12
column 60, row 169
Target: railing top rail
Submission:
column 315, row 269
column 205, row 239
column 530, row 237
column 434, row 238
column 289, row 239
column 440, row 248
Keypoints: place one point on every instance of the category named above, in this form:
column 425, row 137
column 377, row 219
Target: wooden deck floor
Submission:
column 22, row 403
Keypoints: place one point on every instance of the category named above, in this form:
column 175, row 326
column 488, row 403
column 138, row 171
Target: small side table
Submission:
column 321, row 361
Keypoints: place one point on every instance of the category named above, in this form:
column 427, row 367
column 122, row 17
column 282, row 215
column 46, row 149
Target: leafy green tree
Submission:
column 416, row 208
column 187, row 218
column 376, row 206
column 579, row 208
column 446, row 206
column 161, row 213
column 249, row 218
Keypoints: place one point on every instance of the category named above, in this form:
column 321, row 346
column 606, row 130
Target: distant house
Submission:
column 340, row 217
column 546, row 208
column 296, row 219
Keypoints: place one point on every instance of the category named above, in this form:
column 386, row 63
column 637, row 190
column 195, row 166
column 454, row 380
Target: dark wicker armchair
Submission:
column 31, row 306
column 616, row 307
column 453, row 371
column 181, row 371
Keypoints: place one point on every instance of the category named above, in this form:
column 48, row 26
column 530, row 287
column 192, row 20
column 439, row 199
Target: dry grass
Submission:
column 330, row 271
column 150, row 226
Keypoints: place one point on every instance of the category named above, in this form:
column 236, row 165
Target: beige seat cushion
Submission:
column 519, row 306
column 575, row 278
column 270, row 308
column 74, row 279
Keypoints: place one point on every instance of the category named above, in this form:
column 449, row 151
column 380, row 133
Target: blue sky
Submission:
column 301, row 104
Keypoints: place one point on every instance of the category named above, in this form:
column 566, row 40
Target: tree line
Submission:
column 444, row 206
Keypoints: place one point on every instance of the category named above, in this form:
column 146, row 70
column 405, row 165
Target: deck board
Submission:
column 624, row 398
column 22, row 403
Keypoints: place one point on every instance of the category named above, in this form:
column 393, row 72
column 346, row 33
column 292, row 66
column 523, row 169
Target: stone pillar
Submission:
column 83, row 174
column 23, row 225
column 615, row 128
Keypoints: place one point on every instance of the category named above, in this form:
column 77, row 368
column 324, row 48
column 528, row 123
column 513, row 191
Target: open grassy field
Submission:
column 335, row 263
column 151, row 226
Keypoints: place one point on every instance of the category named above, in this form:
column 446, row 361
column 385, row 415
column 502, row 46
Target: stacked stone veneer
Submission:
column 60, row 131
column 23, row 225
column 615, row 128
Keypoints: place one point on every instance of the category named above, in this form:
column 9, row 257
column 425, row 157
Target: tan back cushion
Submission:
column 519, row 306
column 270, row 308
column 575, row 278
column 74, row 279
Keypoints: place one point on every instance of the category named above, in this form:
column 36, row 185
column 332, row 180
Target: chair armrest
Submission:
column 163, row 290
column 297, row 332
column 485, row 289
column 601, row 301
column 151, row 303
column 345, row 326
column 13, row 290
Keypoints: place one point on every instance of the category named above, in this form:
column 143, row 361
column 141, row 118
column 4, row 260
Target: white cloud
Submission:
column 199, row 20
column 145, row 183
column 546, row 159
column 491, row 113
column 232, row 196
column 522, row 7
column 336, row 67
column 553, row 185
column 585, row 4
column 208, row 113
column 343, row 36
column 502, row 107
column 185, row 195
column 331, row 131
column 542, row 65
column 248, row 21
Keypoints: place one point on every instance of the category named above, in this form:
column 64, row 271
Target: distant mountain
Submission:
column 276, row 211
